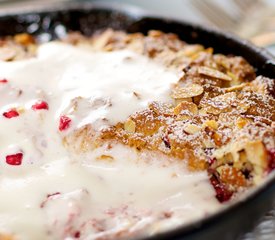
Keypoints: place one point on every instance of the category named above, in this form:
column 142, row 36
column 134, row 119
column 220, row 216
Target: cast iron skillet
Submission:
column 52, row 22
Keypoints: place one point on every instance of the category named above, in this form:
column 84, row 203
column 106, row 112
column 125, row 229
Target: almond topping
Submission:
column 192, row 50
column 235, row 88
column 191, row 107
column 211, row 123
column 104, row 157
column 210, row 72
column 178, row 101
column 103, row 39
column 191, row 128
column 161, row 108
column 187, row 91
column 130, row 126
column 221, row 103
column 241, row 122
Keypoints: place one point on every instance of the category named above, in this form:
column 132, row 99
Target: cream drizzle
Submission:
column 94, row 197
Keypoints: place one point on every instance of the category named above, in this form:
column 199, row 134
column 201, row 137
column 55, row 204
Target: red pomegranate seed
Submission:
column 11, row 113
column 40, row 105
column 3, row 80
column 15, row 159
column 64, row 123
column 222, row 193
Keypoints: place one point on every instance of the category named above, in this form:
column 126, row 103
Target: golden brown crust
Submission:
column 222, row 118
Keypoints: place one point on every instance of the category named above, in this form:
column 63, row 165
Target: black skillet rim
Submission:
column 138, row 14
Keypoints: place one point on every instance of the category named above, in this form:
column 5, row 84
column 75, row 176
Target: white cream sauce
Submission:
column 55, row 195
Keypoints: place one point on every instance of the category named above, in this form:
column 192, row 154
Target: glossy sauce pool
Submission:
column 50, row 193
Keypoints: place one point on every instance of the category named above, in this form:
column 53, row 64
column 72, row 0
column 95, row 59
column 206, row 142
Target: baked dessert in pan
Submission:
column 216, row 116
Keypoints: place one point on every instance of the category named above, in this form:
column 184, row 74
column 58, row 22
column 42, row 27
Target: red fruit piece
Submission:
column 3, row 80
column 222, row 193
column 40, row 106
column 14, row 159
column 212, row 161
column 64, row 123
column 77, row 234
column 166, row 141
column 271, row 159
column 11, row 113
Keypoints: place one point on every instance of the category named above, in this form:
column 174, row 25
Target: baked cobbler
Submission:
column 119, row 136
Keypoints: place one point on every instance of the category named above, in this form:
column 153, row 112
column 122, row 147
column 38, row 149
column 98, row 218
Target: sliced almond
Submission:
column 241, row 122
column 187, row 91
column 191, row 107
column 191, row 128
column 221, row 103
column 179, row 100
column 191, row 50
column 232, row 75
column 202, row 111
column 211, row 123
column 212, row 110
column 207, row 143
column 214, row 73
column 104, row 157
column 183, row 117
column 243, row 106
column 235, row 88
column 161, row 108
column 103, row 39
column 130, row 126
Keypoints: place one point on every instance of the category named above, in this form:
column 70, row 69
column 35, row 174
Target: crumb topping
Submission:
column 221, row 118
